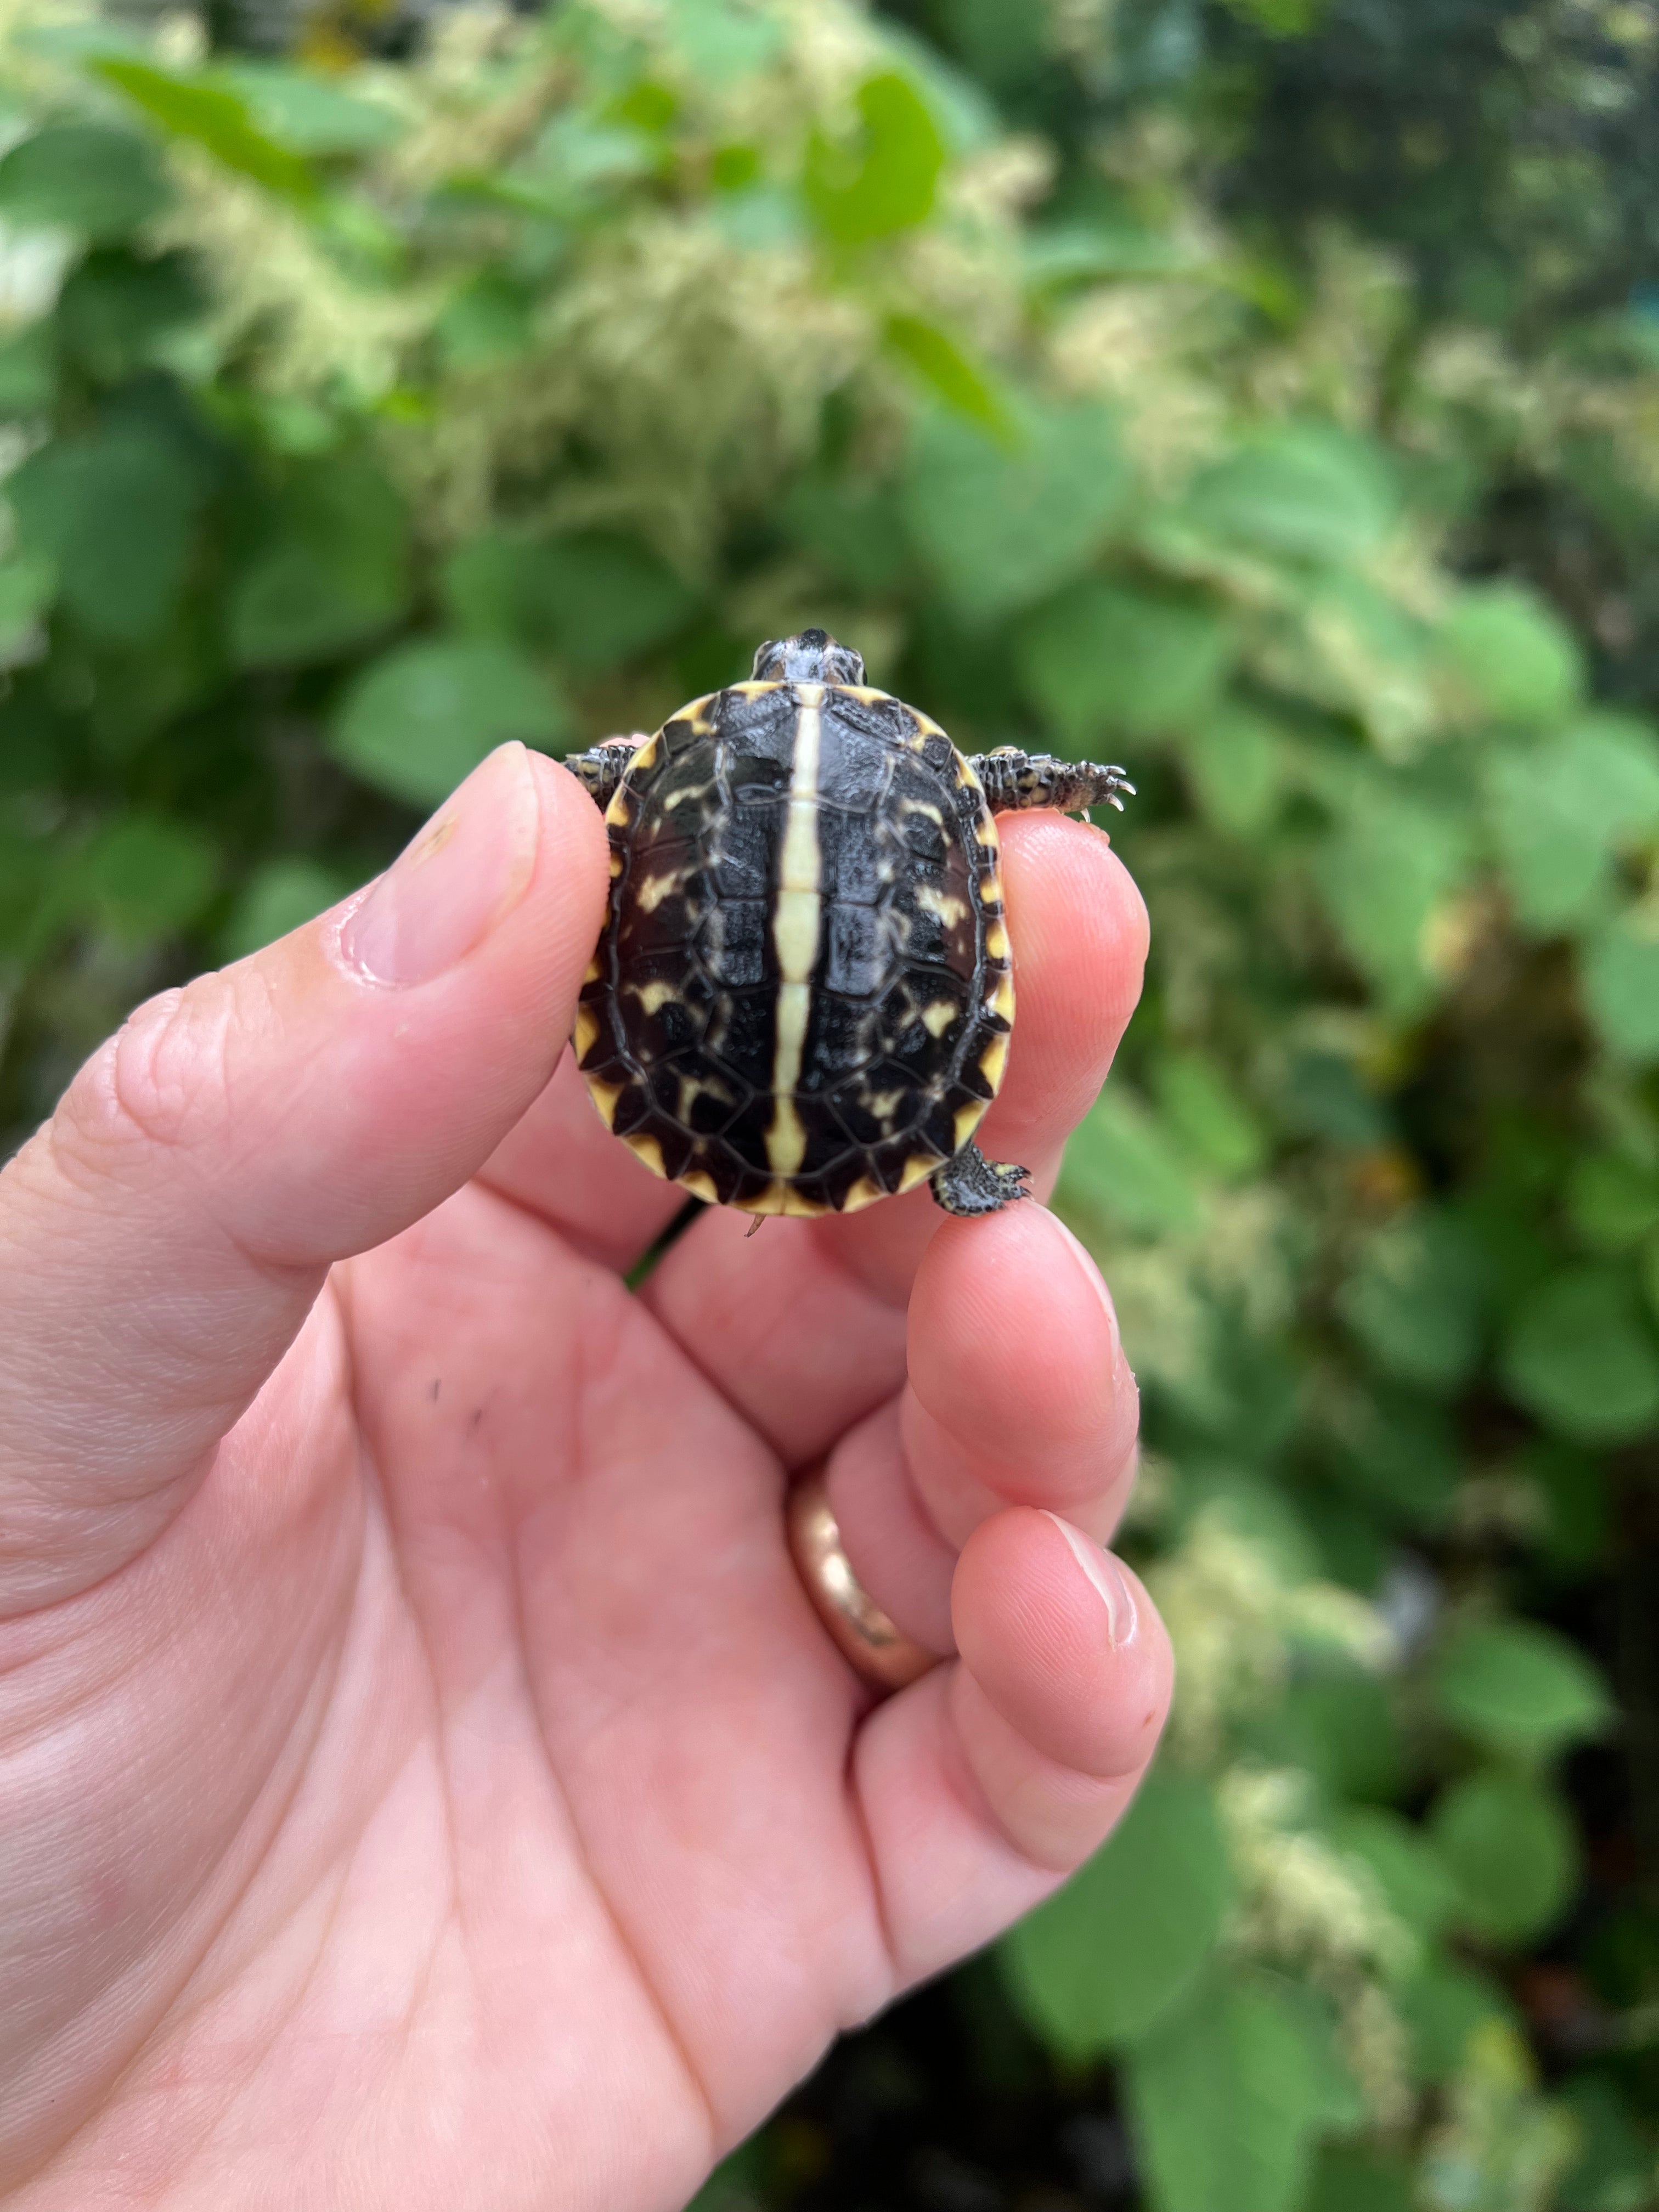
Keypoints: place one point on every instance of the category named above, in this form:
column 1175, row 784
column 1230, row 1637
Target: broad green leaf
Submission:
column 1582, row 1358
column 1226, row 2099
column 946, row 370
column 1512, row 1850
column 83, row 177
column 883, row 181
column 1519, row 1689
column 417, row 720
column 1308, row 490
column 1120, row 1163
column 1615, row 2169
column 214, row 118
column 1234, row 761
column 114, row 308
column 1514, row 653
column 28, row 584
column 1382, row 872
column 1397, row 1449
column 854, row 529
column 1109, row 1954
column 1103, row 658
column 1205, row 1111
column 1409, row 1872
column 29, row 370
column 279, row 897
column 1613, row 1203
column 1415, row 1297
column 114, row 508
column 1621, row 984
column 1001, row 527
column 1443, row 2007
column 595, row 598
column 333, row 567
column 143, row 877
column 1561, row 807
column 309, row 113
column 1348, row 2179
column 1337, row 1723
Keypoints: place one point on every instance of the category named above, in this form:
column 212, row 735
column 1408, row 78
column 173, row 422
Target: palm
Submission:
column 479, row 1798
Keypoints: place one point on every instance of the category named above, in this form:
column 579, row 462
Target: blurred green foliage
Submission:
column 361, row 413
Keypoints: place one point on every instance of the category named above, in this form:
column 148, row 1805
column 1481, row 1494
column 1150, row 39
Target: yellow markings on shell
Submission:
column 864, row 1192
column 996, row 940
column 757, row 687
column 917, row 1168
column 950, row 909
column 615, row 861
column 701, row 1184
column 808, row 1209
column 994, row 1061
column 795, row 924
column 773, row 1200
column 586, row 1032
column 650, row 893
column 926, row 725
column 646, row 756
column 652, row 997
column 869, row 696
column 967, row 1119
column 1001, row 1000
column 604, row 1097
column 990, row 889
column 648, row 1150
column 595, row 973
column 938, row 1017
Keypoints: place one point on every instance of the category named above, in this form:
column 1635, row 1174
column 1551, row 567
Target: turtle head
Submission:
column 812, row 657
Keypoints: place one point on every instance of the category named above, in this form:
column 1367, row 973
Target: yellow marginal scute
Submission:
column 701, row 1184
column 993, row 1061
column 967, row 1119
column 919, row 1167
column 586, row 1032
column 604, row 1097
column 648, row 1150
column 864, row 1192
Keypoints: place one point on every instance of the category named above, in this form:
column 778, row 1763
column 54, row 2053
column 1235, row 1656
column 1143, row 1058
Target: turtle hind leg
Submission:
column 968, row 1183
column 602, row 767
column 1012, row 780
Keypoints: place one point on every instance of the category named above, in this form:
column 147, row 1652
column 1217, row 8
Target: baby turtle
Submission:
column 802, row 1000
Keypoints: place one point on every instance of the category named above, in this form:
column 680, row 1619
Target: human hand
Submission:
column 423, row 1782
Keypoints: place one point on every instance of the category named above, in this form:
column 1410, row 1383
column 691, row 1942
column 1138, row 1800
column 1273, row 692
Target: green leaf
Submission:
column 490, row 318
column 1614, row 2170
column 1102, row 657
column 1513, row 1851
column 1561, row 808
column 1208, row 1115
column 1621, row 984
column 595, row 598
column 144, row 878
column 83, row 177
column 1001, row 527
column 114, row 508
column 332, row 570
column 947, row 372
column 1520, row 1688
column 1119, row 1163
column 883, row 181
column 1308, row 490
column 1443, row 2007
column 421, row 718
column 1514, row 653
column 280, row 895
column 1350, row 2180
column 1415, row 1300
column 1581, row 1356
column 723, row 40
column 308, row 113
column 1227, row 2097
column 29, row 370
column 1409, row 1871
column 1113, row 1952
column 1234, row 761
column 1382, row 873
column 28, row 584
column 213, row 117
column 114, row 309
column 1611, row 1203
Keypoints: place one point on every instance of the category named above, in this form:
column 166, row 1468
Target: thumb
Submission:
column 162, row 1238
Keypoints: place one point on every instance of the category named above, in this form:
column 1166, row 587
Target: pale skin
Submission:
column 424, row 1783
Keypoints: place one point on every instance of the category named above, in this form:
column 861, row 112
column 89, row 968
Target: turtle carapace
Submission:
column 803, row 996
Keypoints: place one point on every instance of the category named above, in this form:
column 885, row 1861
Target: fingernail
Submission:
column 1108, row 1579
column 447, row 889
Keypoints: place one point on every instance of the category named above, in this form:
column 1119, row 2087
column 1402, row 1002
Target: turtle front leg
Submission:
column 604, row 766
column 1014, row 780
column 968, row 1183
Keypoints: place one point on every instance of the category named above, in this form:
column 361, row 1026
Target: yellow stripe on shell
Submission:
column 604, row 1097
column 588, row 1031
column 993, row 1063
column 917, row 1168
column 646, row 1148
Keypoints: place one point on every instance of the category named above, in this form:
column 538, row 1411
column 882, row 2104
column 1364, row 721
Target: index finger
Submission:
column 803, row 1329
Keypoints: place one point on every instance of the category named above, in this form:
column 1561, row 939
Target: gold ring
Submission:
column 860, row 1629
